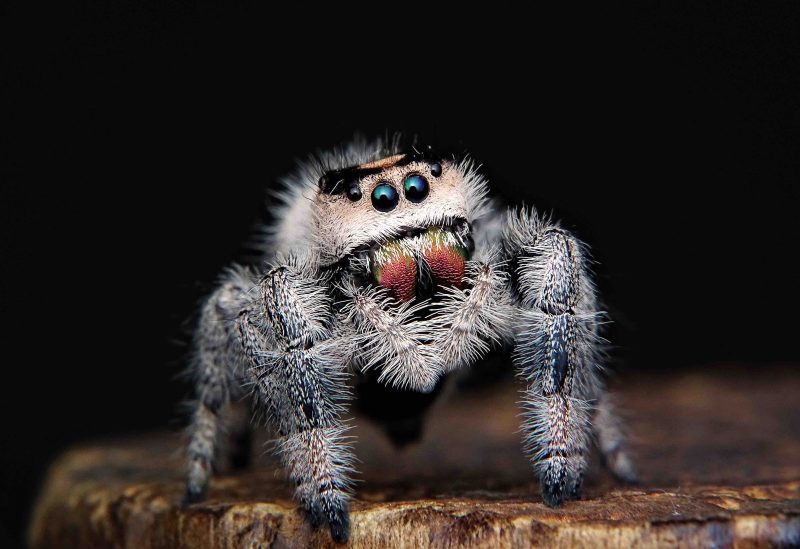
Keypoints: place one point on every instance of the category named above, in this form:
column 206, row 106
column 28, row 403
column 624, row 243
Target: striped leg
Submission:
column 555, row 341
column 298, row 370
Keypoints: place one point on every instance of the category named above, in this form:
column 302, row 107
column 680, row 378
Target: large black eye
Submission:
column 415, row 187
column 384, row 197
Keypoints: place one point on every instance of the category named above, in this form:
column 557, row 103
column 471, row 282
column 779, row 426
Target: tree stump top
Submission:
column 717, row 451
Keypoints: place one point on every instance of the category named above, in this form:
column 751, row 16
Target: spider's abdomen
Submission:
column 397, row 264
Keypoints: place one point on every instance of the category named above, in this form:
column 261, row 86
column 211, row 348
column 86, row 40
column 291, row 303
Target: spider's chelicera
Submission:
column 386, row 270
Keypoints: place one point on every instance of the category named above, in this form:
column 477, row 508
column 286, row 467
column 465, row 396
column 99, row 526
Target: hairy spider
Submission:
column 393, row 267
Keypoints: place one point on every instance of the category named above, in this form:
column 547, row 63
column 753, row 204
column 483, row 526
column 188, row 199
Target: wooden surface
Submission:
column 718, row 453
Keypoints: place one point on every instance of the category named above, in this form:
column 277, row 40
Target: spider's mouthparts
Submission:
column 396, row 265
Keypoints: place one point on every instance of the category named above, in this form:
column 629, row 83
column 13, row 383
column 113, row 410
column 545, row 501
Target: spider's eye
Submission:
column 384, row 197
column 415, row 187
column 436, row 169
column 354, row 193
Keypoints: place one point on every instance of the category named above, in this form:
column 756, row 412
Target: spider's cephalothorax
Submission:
column 392, row 264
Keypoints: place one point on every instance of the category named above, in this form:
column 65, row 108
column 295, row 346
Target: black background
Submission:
column 142, row 138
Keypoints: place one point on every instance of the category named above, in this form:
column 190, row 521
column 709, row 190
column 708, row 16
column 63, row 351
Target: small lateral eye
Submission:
column 415, row 187
column 384, row 197
column 436, row 169
column 354, row 193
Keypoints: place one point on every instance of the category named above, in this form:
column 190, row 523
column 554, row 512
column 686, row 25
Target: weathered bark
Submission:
column 718, row 453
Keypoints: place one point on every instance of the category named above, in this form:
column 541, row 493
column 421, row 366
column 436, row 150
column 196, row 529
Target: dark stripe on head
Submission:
column 338, row 181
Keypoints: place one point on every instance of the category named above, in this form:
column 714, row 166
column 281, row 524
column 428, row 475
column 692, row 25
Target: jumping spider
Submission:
column 394, row 264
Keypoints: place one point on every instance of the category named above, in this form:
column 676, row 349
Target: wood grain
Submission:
column 718, row 452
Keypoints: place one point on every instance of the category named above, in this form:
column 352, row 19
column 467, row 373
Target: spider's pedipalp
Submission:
column 392, row 339
column 470, row 322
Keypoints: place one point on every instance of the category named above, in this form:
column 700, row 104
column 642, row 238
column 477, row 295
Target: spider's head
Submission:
column 406, row 219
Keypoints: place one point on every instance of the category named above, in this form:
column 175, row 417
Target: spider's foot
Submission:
column 559, row 486
column 340, row 525
column 553, row 494
column 193, row 494
column 576, row 487
column 315, row 515
column 554, row 487
column 631, row 477
column 622, row 468
column 338, row 520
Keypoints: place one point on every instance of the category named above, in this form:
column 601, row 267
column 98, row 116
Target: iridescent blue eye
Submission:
column 384, row 197
column 416, row 188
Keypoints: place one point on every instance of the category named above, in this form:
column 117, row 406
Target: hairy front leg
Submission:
column 298, row 372
column 556, row 344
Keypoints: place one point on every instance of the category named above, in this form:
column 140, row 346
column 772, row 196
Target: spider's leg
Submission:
column 298, row 371
column 557, row 349
column 612, row 441
column 217, row 362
